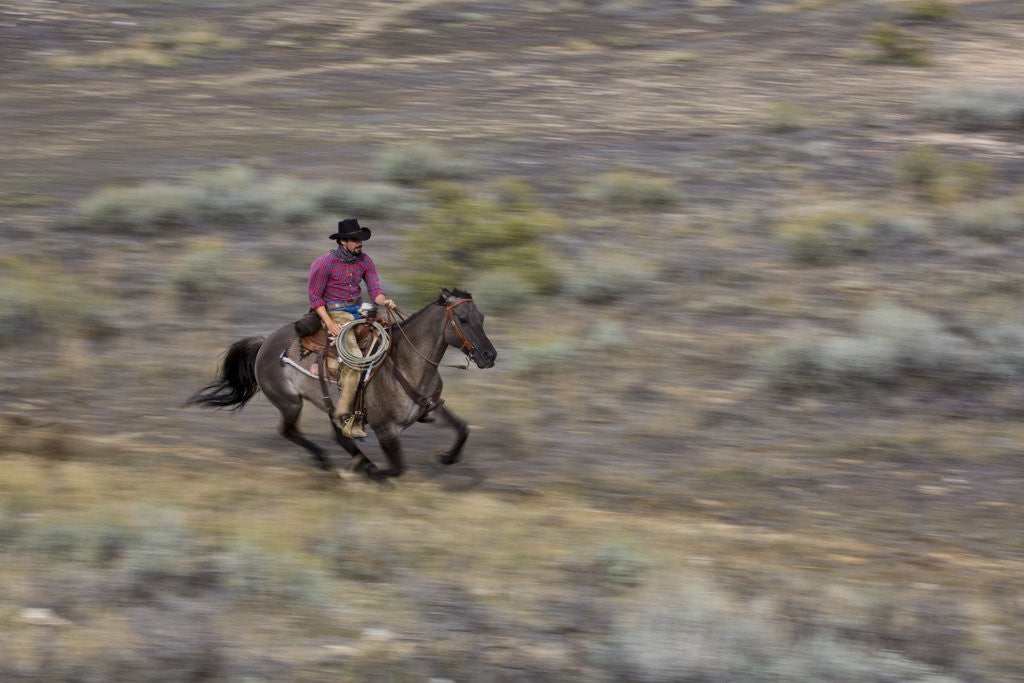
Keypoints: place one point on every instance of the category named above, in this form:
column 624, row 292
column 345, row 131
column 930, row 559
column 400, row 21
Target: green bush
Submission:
column 629, row 191
column 462, row 236
column 896, row 46
column 202, row 276
column 41, row 297
column 785, row 117
column 972, row 107
column 166, row 49
column 931, row 176
column 929, row 10
column 827, row 236
column 416, row 162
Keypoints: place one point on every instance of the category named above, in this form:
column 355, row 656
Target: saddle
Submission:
column 313, row 338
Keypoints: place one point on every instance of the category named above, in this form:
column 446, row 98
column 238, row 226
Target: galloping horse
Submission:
column 406, row 387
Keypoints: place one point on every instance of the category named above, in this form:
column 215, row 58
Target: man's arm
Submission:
column 318, row 276
column 373, row 284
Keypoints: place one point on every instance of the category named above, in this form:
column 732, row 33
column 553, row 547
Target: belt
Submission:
column 342, row 304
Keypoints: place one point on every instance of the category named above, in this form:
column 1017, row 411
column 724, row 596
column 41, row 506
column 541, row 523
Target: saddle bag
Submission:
column 308, row 324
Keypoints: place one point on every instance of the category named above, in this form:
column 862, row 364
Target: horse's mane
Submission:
column 441, row 300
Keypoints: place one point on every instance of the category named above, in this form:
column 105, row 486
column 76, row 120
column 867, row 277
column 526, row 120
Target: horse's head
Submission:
column 464, row 327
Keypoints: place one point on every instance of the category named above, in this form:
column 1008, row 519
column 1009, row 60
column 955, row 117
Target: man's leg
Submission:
column 348, row 382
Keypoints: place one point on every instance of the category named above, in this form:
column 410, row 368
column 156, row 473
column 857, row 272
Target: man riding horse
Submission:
column 335, row 296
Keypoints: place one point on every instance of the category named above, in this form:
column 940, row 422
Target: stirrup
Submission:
column 353, row 427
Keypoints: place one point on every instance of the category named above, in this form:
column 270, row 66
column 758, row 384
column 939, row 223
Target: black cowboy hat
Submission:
column 349, row 229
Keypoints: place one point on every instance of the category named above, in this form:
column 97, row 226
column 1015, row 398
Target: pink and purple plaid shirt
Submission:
column 331, row 279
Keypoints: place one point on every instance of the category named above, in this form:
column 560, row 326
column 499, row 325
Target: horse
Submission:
column 405, row 388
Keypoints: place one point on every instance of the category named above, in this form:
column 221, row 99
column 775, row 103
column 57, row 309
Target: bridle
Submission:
column 467, row 347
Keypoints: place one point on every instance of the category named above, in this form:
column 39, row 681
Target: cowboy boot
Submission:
column 343, row 416
column 353, row 428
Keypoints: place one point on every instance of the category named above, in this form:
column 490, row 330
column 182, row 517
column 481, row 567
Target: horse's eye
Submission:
column 463, row 320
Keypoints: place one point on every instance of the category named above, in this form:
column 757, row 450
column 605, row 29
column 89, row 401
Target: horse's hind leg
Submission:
column 443, row 418
column 290, row 411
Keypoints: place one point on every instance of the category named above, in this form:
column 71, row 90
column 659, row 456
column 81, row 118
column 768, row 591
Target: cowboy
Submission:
column 335, row 296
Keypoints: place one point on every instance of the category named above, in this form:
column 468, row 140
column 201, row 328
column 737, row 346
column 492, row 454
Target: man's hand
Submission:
column 333, row 328
column 384, row 301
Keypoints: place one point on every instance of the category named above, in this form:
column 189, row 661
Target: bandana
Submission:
column 345, row 255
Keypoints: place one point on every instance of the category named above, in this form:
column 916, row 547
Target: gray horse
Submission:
column 405, row 389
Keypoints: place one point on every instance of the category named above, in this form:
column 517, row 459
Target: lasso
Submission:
column 357, row 361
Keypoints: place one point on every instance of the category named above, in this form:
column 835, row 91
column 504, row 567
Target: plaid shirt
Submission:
column 331, row 279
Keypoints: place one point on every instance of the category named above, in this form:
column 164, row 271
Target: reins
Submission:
column 467, row 346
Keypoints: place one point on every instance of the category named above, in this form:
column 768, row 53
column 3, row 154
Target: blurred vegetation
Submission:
column 929, row 10
column 785, row 117
column 995, row 220
column 230, row 198
column 39, row 297
column 977, row 107
column 631, row 191
column 168, row 48
column 498, row 233
column 828, row 235
column 410, row 163
column 895, row 345
column 933, row 177
column 894, row 45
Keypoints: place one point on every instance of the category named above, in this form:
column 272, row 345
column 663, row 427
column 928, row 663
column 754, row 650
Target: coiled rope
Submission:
column 358, row 361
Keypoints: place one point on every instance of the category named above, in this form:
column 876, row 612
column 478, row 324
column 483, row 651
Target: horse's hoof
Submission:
column 348, row 475
column 446, row 458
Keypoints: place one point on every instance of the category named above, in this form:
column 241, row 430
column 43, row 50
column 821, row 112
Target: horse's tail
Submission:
column 236, row 383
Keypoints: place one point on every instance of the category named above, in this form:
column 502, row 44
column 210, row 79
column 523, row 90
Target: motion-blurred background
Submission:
column 753, row 270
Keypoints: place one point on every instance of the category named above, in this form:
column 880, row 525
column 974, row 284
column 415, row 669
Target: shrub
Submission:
column 201, row 276
column 785, row 117
column 896, row 46
column 501, row 291
column 603, row 276
column 415, row 162
column 827, row 236
column 929, row 10
column 230, row 197
column 257, row 576
column 166, row 49
column 972, row 107
column 462, row 236
column 683, row 628
column 893, row 345
column 996, row 220
column 150, row 208
column 371, row 200
column 629, row 191
column 931, row 176
column 35, row 298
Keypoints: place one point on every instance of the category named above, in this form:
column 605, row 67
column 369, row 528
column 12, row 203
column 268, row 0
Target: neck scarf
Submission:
column 345, row 255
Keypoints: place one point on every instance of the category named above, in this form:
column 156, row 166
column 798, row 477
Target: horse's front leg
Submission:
column 443, row 418
column 392, row 447
column 360, row 463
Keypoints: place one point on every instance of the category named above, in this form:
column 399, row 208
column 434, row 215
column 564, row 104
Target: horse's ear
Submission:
column 445, row 294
